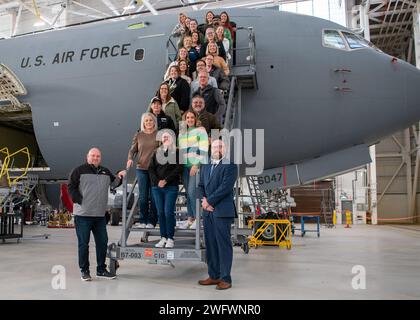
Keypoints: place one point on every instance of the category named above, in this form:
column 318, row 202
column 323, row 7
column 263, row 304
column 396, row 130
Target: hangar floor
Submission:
column 313, row 269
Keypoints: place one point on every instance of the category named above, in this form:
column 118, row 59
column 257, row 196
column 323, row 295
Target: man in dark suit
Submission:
column 217, row 180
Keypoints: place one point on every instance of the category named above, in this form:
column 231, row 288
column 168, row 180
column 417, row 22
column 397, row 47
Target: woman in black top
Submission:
column 163, row 121
column 165, row 172
column 179, row 87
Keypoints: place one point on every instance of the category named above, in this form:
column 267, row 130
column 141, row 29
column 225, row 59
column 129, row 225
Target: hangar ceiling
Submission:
column 23, row 16
column 391, row 24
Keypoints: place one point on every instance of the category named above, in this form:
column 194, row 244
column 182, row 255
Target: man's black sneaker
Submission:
column 86, row 276
column 105, row 275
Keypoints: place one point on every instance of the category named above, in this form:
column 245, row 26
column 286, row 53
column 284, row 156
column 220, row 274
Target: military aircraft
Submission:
column 321, row 93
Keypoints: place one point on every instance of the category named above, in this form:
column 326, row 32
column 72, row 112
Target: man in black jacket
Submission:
column 214, row 101
column 88, row 187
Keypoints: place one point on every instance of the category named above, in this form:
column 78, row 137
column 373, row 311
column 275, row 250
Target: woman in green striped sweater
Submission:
column 193, row 147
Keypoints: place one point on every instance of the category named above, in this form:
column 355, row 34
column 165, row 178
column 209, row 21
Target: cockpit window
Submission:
column 332, row 38
column 356, row 42
column 344, row 40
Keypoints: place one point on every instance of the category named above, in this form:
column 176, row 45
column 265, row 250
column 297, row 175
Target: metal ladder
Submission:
column 258, row 198
column 327, row 208
column 24, row 183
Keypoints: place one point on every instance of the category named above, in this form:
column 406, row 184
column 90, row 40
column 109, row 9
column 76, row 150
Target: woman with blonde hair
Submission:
column 193, row 147
column 180, row 28
column 144, row 145
column 211, row 37
column 219, row 62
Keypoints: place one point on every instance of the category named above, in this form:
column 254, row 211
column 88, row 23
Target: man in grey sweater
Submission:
column 88, row 188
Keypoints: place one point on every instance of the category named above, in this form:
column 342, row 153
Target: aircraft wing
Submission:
column 305, row 172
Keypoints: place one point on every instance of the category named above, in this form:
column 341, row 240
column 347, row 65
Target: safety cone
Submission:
column 348, row 219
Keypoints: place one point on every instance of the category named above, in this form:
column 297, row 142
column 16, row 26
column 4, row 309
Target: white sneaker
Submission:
column 185, row 225
column 150, row 226
column 170, row 243
column 141, row 225
column 161, row 243
column 193, row 225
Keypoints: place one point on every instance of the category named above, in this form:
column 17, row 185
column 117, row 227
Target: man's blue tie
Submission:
column 212, row 168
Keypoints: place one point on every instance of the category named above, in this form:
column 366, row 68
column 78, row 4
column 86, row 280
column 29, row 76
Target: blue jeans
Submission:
column 147, row 208
column 191, row 190
column 84, row 225
column 165, row 199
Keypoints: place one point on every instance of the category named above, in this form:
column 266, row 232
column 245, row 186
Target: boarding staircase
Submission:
column 243, row 76
column 16, row 184
column 16, row 187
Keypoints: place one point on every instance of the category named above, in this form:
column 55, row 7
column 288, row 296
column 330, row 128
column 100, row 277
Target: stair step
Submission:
column 155, row 232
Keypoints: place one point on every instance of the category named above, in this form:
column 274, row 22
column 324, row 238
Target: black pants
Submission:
column 84, row 225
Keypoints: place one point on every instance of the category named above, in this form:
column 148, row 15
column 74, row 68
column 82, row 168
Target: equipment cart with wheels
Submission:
column 9, row 229
column 303, row 217
column 271, row 232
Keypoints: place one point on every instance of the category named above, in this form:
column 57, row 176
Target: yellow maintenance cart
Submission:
column 271, row 232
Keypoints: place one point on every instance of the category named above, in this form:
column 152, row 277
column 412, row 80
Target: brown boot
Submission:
column 208, row 282
column 223, row 285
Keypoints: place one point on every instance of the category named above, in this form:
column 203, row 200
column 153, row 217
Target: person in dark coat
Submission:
column 163, row 121
column 208, row 120
column 165, row 172
column 215, row 102
column 88, row 187
column 215, row 188
column 179, row 87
